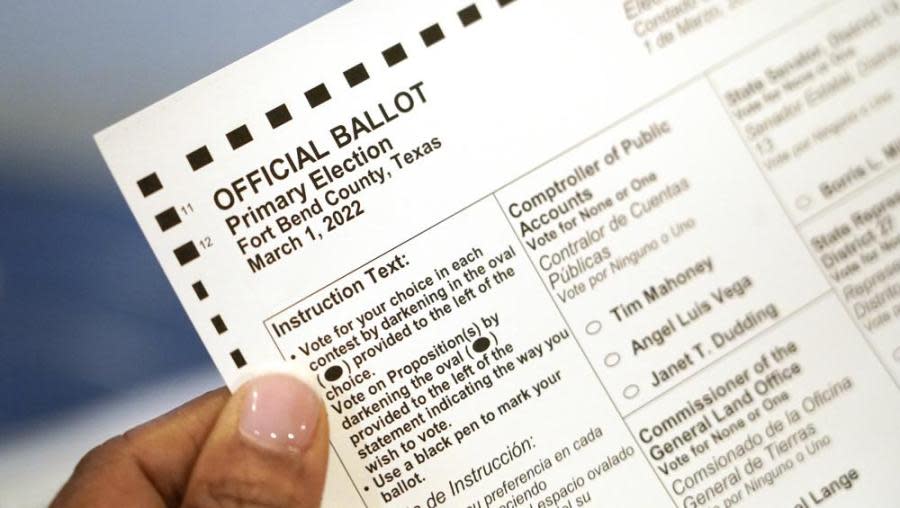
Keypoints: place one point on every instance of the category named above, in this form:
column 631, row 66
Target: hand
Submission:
column 266, row 445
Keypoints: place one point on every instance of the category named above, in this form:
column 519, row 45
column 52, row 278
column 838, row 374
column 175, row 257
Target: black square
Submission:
column 432, row 34
column 200, row 290
column 356, row 75
column 168, row 219
column 504, row 3
column 317, row 95
column 186, row 253
column 239, row 137
column 238, row 358
column 469, row 15
column 219, row 324
column 394, row 55
column 199, row 158
column 149, row 184
column 279, row 116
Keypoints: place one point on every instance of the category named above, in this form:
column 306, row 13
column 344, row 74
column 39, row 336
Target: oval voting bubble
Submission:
column 612, row 359
column 334, row 373
column 594, row 327
column 631, row 391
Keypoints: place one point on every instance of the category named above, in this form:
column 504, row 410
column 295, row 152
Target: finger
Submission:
column 149, row 465
column 268, row 448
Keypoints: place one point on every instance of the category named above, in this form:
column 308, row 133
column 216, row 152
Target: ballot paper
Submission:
column 554, row 253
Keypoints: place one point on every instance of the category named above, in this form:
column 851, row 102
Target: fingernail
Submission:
column 280, row 413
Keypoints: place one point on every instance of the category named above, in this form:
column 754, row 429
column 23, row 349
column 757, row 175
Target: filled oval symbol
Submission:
column 481, row 344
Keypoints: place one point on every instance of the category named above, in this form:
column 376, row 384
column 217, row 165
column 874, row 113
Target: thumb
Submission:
column 269, row 448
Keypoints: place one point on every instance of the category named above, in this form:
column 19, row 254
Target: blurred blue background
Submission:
column 86, row 314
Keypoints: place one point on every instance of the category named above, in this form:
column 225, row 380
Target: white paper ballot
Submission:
column 554, row 254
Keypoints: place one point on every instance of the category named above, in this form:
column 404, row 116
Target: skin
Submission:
column 196, row 456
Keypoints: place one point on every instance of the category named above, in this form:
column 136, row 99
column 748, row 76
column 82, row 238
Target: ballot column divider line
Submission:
column 584, row 353
column 347, row 472
column 784, row 210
